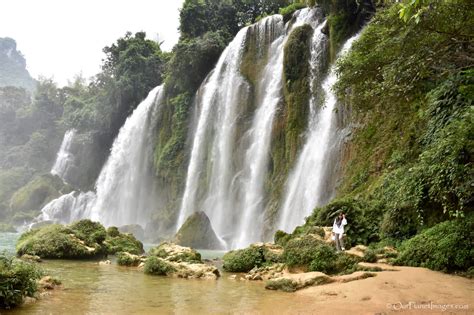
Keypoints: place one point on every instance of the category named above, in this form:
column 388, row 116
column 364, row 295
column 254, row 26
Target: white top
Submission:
column 339, row 229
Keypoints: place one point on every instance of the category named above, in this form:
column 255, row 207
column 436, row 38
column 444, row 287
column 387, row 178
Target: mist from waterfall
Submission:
column 125, row 188
column 227, row 169
column 306, row 186
column 64, row 158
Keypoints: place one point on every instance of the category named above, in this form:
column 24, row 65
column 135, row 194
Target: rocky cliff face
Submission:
column 13, row 70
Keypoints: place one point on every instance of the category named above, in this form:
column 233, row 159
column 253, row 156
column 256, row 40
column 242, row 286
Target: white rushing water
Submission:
column 305, row 187
column 64, row 158
column 226, row 174
column 125, row 189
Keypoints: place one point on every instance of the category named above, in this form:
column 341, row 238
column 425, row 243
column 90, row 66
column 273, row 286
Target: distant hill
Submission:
column 13, row 66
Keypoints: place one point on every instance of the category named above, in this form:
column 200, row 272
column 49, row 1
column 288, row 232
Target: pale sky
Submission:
column 62, row 38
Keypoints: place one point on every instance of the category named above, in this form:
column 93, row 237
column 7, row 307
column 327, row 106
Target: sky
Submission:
column 63, row 38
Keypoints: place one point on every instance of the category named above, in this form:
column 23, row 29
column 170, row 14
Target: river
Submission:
column 90, row 288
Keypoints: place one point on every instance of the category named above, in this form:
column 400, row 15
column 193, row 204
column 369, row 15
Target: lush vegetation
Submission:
column 82, row 239
column 158, row 266
column 446, row 246
column 408, row 84
column 17, row 280
column 254, row 256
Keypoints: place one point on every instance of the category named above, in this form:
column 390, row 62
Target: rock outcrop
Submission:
column 197, row 232
column 173, row 260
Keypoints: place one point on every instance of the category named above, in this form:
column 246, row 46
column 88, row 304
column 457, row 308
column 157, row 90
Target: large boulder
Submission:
column 197, row 232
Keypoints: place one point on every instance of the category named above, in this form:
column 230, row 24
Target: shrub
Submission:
column 126, row 259
column 243, row 260
column 324, row 258
column 288, row 11
column 123, row 243
column 113, row 231
column 281, row 237
column 90, row 232
column 18, row 279
column 157, row 266
column 370, row 256
column 301, row 251
column 444, row 247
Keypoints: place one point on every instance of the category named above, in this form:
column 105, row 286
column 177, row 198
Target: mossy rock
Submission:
column 128, row 259
column 256, row 255
column 283, row 284
column 56, row 241
column 175, row 253
column 158, row 266
column 38, row 192
column 119, row 242
column 197, row 232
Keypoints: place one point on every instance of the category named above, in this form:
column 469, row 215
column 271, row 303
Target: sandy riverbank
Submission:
column 403, row 291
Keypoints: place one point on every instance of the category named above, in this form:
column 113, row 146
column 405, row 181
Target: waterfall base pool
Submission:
column 111, row 289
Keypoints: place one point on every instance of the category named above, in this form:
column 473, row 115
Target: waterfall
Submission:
column 125, row 188
column 227, row 170
column 64, row 158
column 305, row 188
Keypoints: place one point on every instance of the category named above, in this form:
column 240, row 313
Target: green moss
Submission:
column 286, row 285
column 323, row 258
column 55, row 241
column 172, row 252
column 38, row 192
column 300, row 251
column 370, row 256
column 127, row 259
column 243, row 260
column 122, row 243
column 288, row 11
column 197, row 232
column 89, row 231
column 445, row 247
column 158, row 266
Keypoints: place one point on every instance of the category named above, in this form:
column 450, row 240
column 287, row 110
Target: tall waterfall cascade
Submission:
column 306, row 186
column 64, row 158
column 125, row 189
column 229, row 158
column 230, row 144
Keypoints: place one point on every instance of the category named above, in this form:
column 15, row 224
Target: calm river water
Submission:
column 90, row 288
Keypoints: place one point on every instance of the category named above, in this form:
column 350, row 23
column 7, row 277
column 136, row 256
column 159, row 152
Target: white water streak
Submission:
column 305, row 187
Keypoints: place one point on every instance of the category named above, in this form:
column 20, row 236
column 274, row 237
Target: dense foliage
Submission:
column 82, row 239
column 17, row 280
column 445, row 247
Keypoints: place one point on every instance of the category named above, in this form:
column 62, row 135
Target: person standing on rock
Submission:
column 338, row 230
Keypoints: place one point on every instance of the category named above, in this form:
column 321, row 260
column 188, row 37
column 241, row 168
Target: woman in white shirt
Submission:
column 338, row 230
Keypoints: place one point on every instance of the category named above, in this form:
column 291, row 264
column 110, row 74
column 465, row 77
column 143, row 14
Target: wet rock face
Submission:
column 197, row 232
